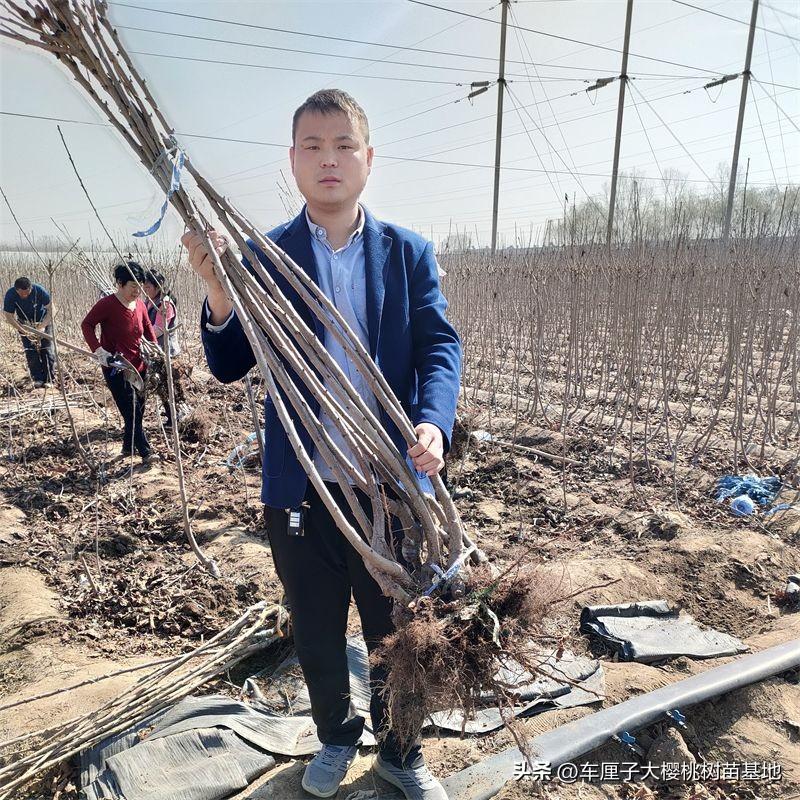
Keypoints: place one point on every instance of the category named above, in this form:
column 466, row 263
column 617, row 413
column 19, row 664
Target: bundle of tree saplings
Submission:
column 24, row 757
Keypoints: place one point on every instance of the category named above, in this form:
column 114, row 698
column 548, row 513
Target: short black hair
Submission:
column 129, row 271
column 159, row 280
column 156, row 278
column 23, row 284
column 333, row 101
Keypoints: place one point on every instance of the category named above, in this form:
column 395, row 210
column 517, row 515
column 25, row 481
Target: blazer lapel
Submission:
column 376, row 265
column 295, row 241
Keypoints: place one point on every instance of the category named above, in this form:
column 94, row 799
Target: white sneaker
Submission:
column 416, row 783
column 327, row 769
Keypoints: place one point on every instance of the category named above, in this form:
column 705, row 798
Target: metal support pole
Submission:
column 501, row 88
column 623, row 82
column 726, row 230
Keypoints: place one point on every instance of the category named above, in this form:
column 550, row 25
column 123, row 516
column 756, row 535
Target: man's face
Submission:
column 330, row 160
column 129, row 290
column 24, row 293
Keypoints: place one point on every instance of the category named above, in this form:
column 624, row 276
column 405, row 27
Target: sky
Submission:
column 410, row 66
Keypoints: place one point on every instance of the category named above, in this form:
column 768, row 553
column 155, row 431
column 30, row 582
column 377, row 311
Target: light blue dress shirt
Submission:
column 341, row 274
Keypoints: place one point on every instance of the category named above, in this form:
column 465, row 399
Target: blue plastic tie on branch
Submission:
column 174, row 185
column 443, row 577
column 437, row 580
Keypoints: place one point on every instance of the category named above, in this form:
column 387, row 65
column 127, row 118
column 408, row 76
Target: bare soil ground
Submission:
column 605, row 531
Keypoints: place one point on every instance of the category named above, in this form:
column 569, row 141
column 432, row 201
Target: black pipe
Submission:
column 569, row 742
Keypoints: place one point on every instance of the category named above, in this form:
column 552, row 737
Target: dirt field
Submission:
column 605, row 530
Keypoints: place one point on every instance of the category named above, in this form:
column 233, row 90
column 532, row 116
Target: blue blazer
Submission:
column 410, row 339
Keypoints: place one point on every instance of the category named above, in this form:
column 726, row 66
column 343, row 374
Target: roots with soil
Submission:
column 156, row 380
column 446, row 653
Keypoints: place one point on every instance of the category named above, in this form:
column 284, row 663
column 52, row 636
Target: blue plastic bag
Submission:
column 762, row 490
column 742, row 506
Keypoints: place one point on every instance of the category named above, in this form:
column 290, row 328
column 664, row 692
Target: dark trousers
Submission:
column 131, row 406
column 39, row 355
column 319, row 571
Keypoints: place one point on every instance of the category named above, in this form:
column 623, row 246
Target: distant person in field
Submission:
column 163, row 313
column 384, row 280
column 123, row 322
column 27, row 303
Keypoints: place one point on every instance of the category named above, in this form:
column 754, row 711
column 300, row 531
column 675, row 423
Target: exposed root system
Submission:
column 446, row 653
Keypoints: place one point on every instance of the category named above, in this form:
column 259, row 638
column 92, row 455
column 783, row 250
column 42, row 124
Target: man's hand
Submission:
column 199, row 258
column 219, row 303
column 427, row 453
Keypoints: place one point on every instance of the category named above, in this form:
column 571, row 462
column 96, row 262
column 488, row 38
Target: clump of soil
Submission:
column 196, row 428
column 459, row 439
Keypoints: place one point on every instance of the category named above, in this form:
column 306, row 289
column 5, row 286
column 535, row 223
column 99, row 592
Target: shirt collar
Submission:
column 319, row 233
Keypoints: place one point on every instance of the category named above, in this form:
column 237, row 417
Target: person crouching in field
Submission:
column 384, row 280
column 123, row 322
column 28, row 303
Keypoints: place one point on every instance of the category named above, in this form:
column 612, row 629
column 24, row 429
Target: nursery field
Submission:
column 604, row 396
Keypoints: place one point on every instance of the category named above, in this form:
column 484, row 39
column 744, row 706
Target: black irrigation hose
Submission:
column 569, row 742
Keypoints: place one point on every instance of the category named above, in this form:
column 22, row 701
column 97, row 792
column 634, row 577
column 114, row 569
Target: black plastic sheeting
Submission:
column 207, row 747
column 569, row 742
column 651, row 631
column 194, row 762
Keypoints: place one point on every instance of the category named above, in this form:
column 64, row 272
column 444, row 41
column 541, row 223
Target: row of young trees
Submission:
column 653, row 212
column 671, row 349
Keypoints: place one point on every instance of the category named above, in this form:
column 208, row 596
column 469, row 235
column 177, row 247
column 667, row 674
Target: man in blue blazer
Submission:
column 385, row 281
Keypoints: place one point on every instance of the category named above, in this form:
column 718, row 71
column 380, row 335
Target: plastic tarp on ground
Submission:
column 198, row 763
column 208, row 747
column 560, row 683
column 652, row 631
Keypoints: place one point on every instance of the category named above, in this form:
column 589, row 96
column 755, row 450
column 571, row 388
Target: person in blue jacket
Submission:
column 384, row 279
column 28, row 303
